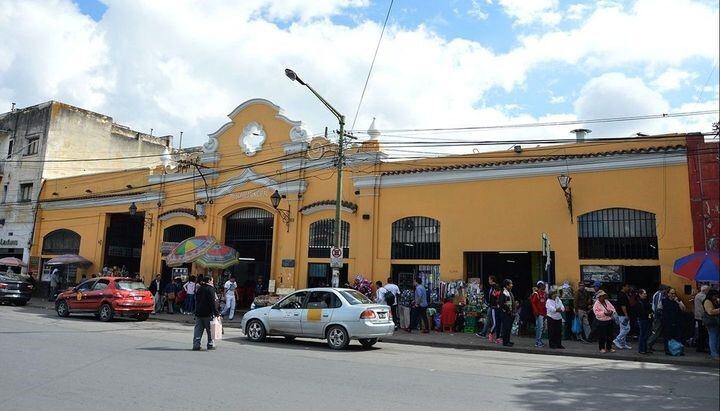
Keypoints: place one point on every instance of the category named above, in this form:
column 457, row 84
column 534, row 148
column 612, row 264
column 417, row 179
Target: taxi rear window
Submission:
column 129, row 285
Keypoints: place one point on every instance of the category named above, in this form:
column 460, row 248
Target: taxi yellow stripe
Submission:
column 314, row 314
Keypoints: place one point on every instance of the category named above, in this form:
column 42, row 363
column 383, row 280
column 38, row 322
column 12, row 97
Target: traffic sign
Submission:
column 336, row 255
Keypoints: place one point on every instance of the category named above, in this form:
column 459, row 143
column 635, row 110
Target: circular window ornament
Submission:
column 252, row 138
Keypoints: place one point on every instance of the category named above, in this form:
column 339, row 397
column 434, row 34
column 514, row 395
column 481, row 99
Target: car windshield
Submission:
column 354, row 298
column 129, row 285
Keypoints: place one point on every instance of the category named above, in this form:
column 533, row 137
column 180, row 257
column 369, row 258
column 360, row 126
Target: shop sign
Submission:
column 34, row 264
column 288, row 263
column 4, row 242
column 261, row 193
column 602, row 273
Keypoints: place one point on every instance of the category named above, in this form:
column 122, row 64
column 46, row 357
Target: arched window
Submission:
column 322, row 235
column 61, row 242
column 416, row 238
column 178, row 233
column 617, row 233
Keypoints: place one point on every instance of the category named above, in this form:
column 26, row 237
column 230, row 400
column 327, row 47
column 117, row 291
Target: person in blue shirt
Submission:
column 419, row 308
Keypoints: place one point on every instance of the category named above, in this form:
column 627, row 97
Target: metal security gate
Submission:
column 250, row 232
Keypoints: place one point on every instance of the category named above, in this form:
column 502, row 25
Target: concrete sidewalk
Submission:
column 472, row 342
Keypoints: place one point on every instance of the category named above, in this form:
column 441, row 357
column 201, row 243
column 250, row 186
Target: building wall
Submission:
column 507, row 211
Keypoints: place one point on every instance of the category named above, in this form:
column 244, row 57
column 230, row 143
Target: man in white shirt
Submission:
column 380, row 293
column 395, row 290
column 230, row 291
column 54, row 283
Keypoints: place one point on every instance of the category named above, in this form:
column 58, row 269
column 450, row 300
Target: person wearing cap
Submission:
column 604, row 312
column 582, row 303
column 537, row 302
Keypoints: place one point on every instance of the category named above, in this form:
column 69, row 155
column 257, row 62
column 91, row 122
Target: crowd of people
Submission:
column 586, row 315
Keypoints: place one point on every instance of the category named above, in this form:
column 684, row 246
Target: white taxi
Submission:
column 336, row 314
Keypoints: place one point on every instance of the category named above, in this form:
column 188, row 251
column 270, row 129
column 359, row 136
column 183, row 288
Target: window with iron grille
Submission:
column 61, row 242
column 416, row 238
column 178, row 233
column 249, row 224
column 618, row 233
column 321, row 238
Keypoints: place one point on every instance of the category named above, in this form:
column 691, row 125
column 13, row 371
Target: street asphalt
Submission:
column 81, row 363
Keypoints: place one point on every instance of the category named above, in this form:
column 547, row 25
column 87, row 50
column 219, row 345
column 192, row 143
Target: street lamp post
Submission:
column 338, row 193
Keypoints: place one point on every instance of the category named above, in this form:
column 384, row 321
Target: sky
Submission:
column 183, row 65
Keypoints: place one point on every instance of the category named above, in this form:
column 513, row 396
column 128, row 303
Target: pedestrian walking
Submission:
column 230, row 289
column 711, row 320
column 554, row 309
column 495, row 315
column 54, row 283
column 538, row 302
column 190, row 287
column 604, row 312
column 507, row 304
column 582, row 303
column 395, row 290
column 700, row 330
column 657, row 309
column 645, row 315
column 623, row 302
column 419, row 308
column 488, row 315
column 672, row 312
column 205, row 310
column 156, row 291
column 170, row 297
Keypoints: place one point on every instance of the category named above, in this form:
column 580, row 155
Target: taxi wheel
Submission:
column 142, row 316
column 106, row 312
column 62, row 309
column 255, row 331
column 368, row 342
column 337, row 337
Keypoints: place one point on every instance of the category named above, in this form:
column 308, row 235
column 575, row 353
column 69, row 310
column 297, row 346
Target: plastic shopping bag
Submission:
column 576, row 326
column 216, row 329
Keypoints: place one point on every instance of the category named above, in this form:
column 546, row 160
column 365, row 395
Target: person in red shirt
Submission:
column 448, row 315
column 537, row 301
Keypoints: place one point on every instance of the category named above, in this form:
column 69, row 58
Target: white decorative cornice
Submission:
column 100, row 201
column 249, row 176
column 209, row 173
column 317, row 209
column 177, row 213
column 520, row 170
column 298, row 134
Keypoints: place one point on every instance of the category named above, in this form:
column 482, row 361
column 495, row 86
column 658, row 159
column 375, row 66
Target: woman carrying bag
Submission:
column 604, row 312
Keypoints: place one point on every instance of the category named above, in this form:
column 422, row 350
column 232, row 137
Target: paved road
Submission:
column 80, row 363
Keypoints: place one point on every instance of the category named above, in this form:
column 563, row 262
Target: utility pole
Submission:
column 337, row 246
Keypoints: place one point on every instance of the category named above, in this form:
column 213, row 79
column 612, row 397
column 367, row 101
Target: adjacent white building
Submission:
column 52, row 140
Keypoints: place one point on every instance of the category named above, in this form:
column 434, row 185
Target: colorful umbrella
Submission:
column 12, row 262
column 218, row 256
column 66, row 259
column 702, row 266
column 189, row 250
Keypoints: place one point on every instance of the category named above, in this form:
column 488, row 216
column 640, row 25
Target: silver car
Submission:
column 336, row 314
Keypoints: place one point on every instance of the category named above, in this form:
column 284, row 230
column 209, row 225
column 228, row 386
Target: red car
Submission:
column 107, row 297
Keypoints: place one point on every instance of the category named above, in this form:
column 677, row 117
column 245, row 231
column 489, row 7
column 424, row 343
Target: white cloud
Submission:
column 673, row 79
column 532, row 11
column 577, row 11
column 477, row 11
column 557, row 99
column 184, row 65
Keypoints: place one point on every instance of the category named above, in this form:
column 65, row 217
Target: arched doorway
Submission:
column 60, row 242
column 250, row 232
column 172, row 236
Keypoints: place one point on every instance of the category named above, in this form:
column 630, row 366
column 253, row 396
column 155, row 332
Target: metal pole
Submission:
column 338, row 199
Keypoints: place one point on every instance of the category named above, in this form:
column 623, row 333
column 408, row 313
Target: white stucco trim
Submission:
column 209, row 173
column 249, row 176
column 96, row 202
column 313, row 210
column 174, row 214
column 554, row 167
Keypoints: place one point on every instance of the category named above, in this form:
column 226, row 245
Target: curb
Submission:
column 464, row 346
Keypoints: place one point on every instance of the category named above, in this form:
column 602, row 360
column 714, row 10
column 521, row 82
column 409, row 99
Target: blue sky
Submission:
column 181, row 65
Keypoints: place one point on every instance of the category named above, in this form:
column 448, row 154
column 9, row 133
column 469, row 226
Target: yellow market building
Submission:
column 625, row 215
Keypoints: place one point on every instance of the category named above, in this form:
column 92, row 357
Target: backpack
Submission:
column 389, row 297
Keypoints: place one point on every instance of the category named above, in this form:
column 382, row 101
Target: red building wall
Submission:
column 704, row 174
